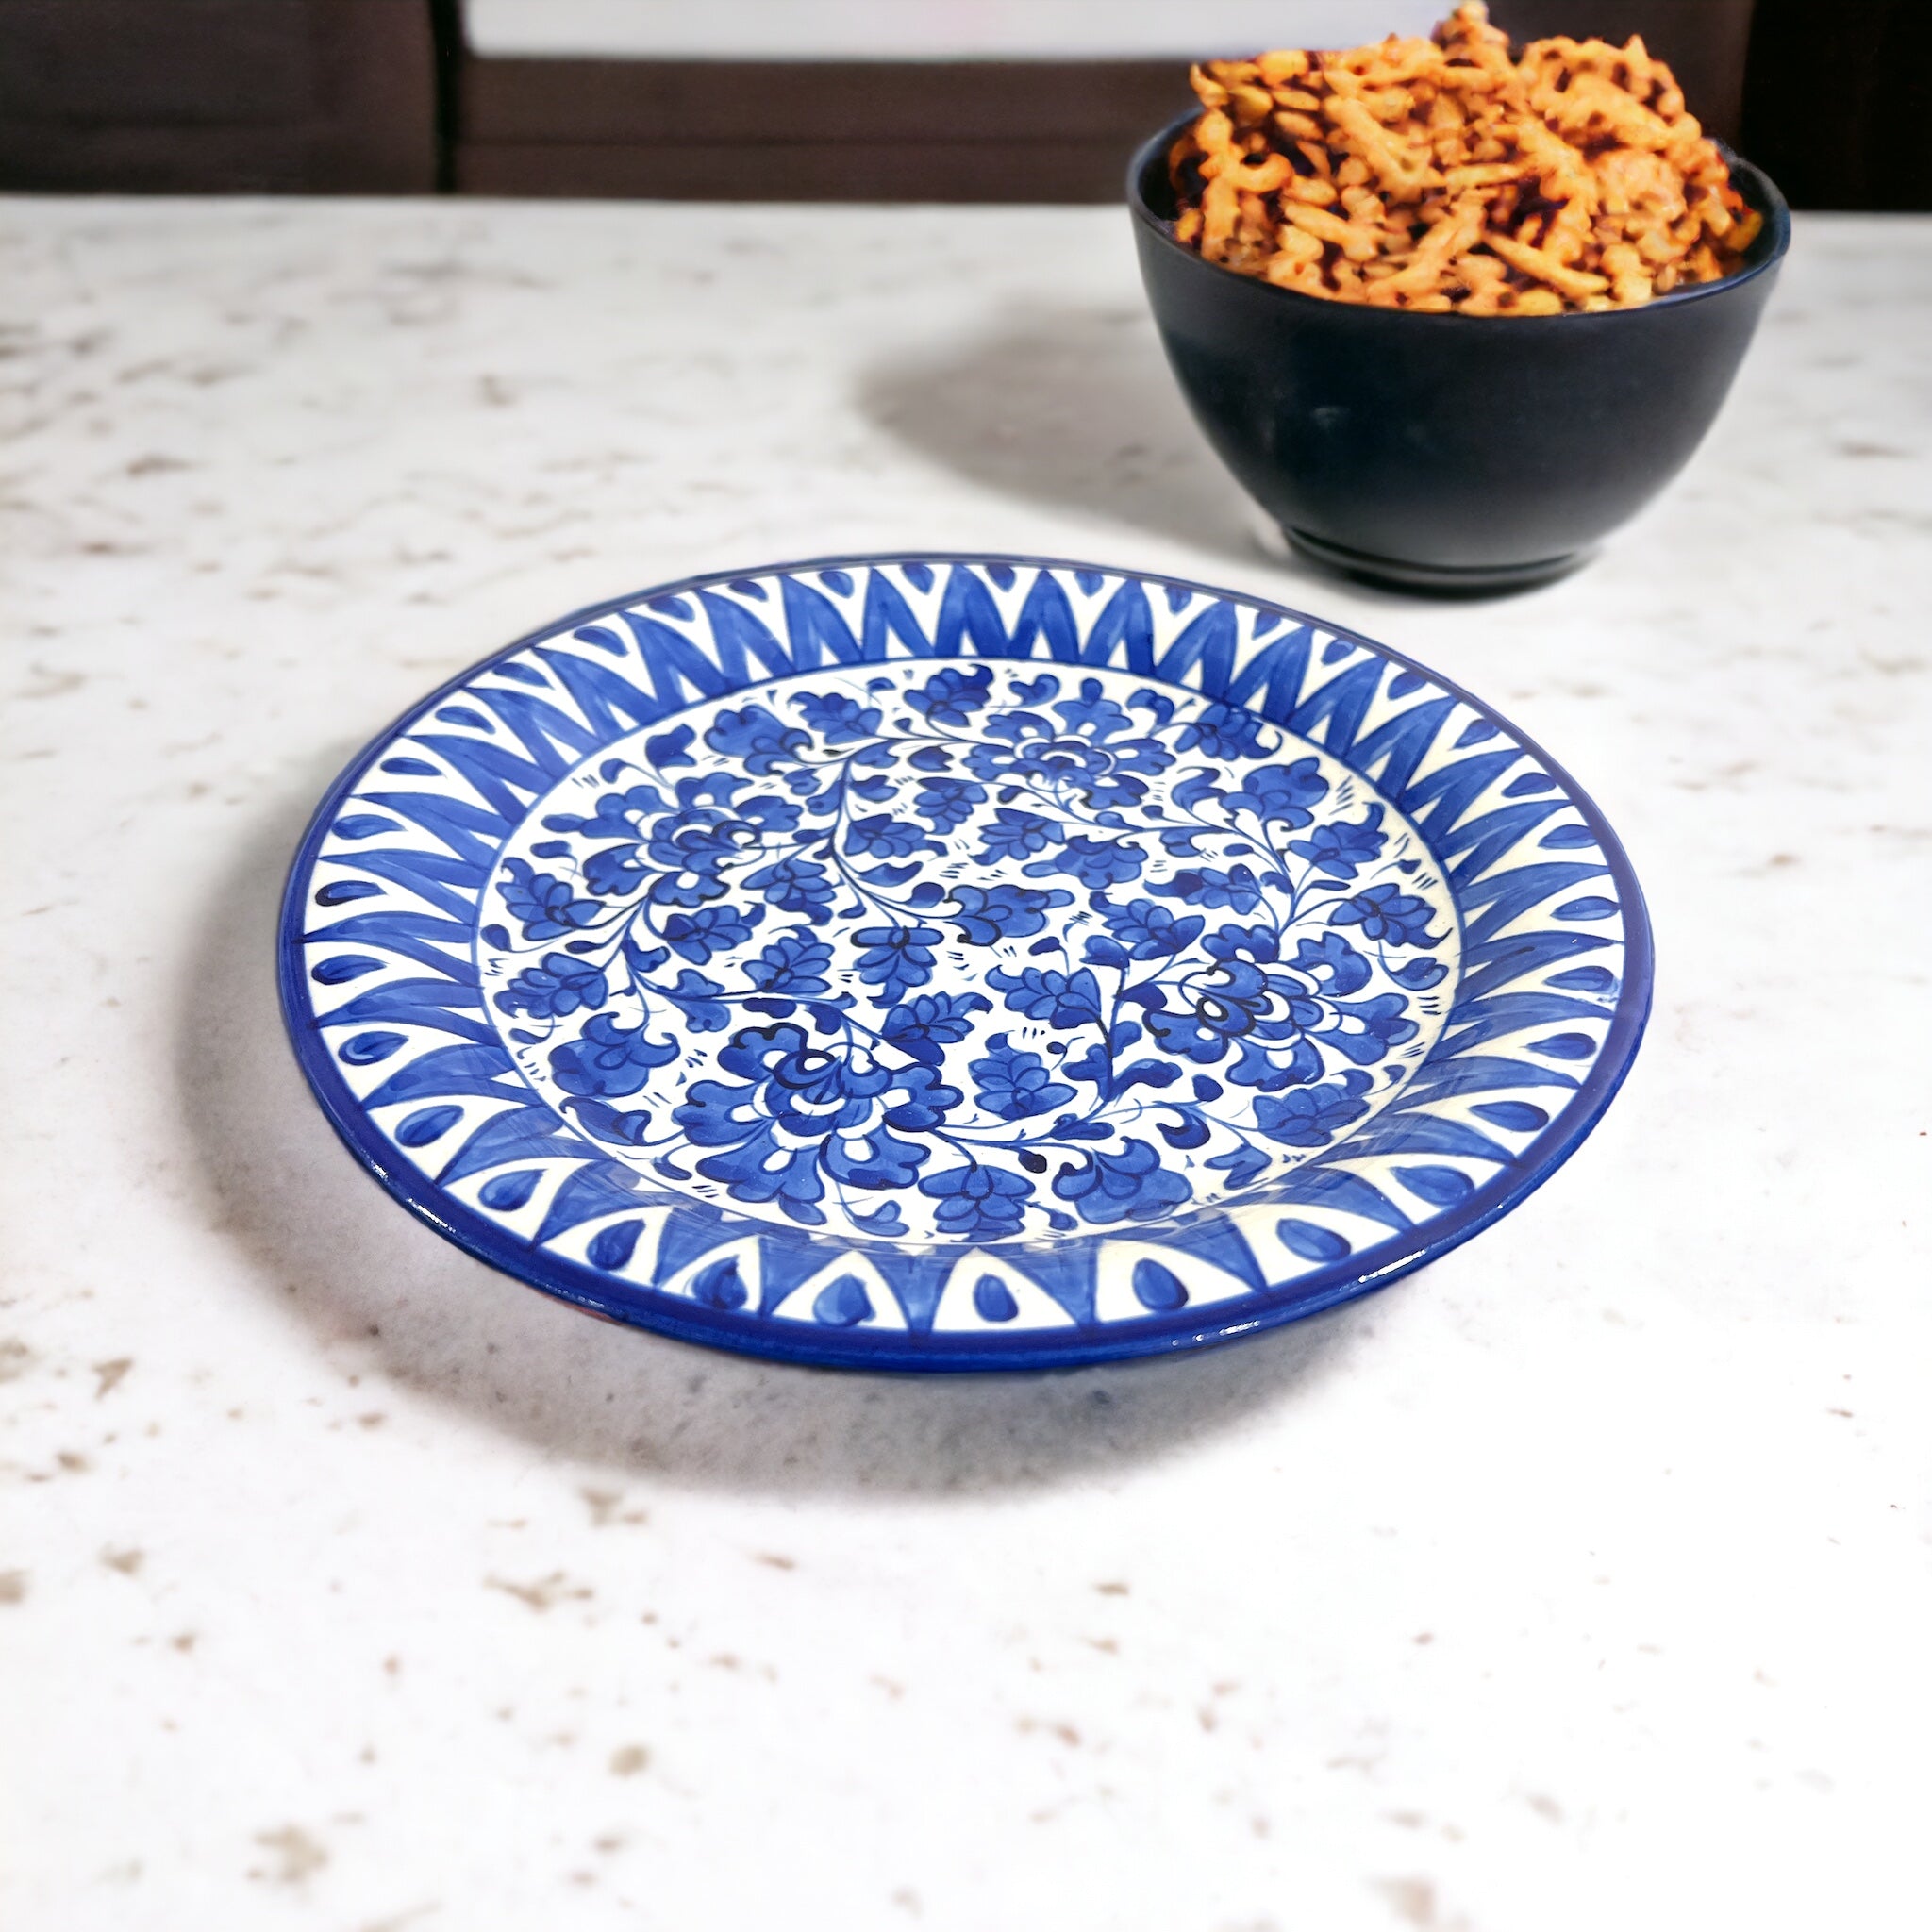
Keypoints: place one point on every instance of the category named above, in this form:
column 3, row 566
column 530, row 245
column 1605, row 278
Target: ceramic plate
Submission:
column 944, row 962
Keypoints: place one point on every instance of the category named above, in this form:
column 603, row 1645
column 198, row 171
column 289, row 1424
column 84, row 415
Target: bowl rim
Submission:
column 1758, row 186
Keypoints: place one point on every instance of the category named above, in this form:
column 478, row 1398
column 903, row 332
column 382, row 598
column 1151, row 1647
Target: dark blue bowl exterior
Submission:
column 1449, row 441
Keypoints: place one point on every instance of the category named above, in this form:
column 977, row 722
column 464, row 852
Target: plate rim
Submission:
column 891, row 1354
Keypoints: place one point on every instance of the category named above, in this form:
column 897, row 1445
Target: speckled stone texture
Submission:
column 1580, row 1579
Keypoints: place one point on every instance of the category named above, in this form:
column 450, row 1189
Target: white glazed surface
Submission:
column 1578, row 1579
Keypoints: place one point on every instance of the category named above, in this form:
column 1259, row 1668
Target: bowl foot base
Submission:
column 1433, row 579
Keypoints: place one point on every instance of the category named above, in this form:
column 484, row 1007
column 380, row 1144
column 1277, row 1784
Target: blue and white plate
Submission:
column 947, row 962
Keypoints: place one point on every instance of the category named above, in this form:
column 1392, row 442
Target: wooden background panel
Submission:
column 192, row 63
column 950, row 171
column 194, row 96
column 761, row 102
column 809, row 131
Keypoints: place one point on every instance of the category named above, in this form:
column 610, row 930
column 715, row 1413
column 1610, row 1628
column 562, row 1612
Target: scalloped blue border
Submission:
column 893, row 1352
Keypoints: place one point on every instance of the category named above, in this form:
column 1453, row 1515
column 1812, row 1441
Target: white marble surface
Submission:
column 1579, row 1581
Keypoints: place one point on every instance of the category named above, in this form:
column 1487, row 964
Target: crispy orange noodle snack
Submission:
column 1443, row 175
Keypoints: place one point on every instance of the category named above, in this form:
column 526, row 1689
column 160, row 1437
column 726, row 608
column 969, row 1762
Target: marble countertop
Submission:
column 1579, row 1581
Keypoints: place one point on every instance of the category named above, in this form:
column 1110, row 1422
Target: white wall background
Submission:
column 931, row 29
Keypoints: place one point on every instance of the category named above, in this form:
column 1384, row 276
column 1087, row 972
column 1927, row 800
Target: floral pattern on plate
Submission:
column 954, row 963
column 970, row 954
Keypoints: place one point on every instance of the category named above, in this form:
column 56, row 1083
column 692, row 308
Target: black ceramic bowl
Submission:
column 1445, row 452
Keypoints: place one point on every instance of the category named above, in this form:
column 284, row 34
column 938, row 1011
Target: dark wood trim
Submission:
column 916, row 130
column 954, row 171
column 199, row 96
column 650, row 103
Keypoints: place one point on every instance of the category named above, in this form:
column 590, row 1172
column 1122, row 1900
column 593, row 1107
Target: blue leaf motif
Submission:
column 993, row 913
column 1147, row 931
column 1097, row 862
column 1158, row 1289
column 1420, row 974
column 507, row 1193
column 1313, row 1116
column 993, row 1299
column 1242, row 1165
column 366, row 1049
column 978, row 1202
column 1339, row 849
column 948, row 803
column 1014, row 1084
column 1332, row 964
column 795, row 962
column 753, row 738
column 1237, row 888
column 543, row 905
column 557, row 986
column 615, row 1125
column 344, row 967
column 611, row 1248
column 610, row 1061
column 842, row 1304
column 710, row 929
column 1280, row 794
column 425, row 1125
column 1370, row 1027
column 671, row 748
column 1565, row 1046
column 1044, row 992
column 1311, row 1242
column 925, row 1025
column 794, row 885
column 1105, row 1187
column 1018, row 835
column 1441, row 1186
column 838, row 717
column 888, row 837
column 896, row 957
column 1389, row 915
column 952, row 696
column 1586, row 979
column 719, row 1285
column 1224, row 732
column 695, row 996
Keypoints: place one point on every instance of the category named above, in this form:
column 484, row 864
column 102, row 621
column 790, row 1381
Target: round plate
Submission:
column 959, row 962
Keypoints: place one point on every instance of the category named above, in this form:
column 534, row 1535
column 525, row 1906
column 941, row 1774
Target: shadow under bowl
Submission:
column 1446, row 452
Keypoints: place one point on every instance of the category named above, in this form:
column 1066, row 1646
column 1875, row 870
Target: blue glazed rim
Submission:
column 887, row 1353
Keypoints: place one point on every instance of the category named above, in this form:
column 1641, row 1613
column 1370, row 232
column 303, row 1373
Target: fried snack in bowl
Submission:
column 1451, row 313
column 1447, row 174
